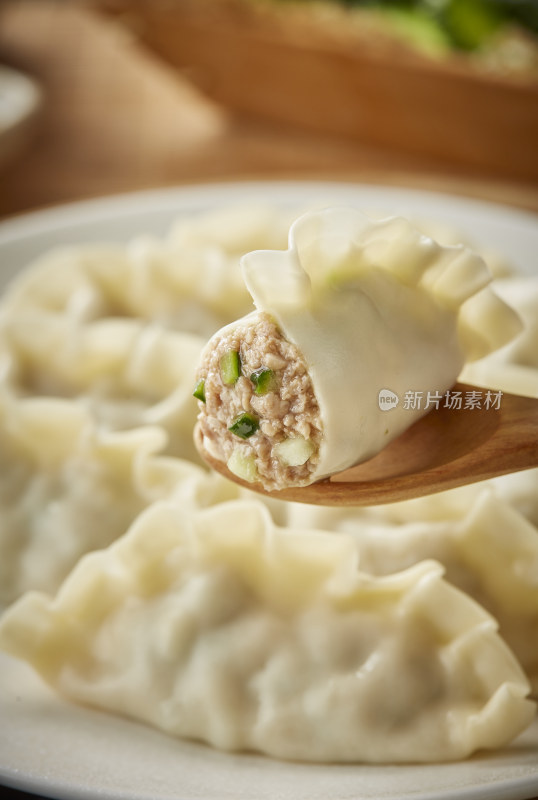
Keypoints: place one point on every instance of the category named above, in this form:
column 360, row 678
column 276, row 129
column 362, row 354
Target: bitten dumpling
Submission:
column 222, row 627
column 354, row 314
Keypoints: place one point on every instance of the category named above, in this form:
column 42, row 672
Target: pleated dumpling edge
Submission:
column 202, row 624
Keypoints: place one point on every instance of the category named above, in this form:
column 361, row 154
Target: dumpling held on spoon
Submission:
column 353, row 319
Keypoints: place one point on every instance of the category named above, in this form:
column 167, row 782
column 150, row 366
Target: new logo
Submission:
column 387, row 400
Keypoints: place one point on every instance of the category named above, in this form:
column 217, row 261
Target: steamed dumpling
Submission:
column 353, row 312
column 67, row 488
column 126, row 373
column 187, row 280
column 219, row 626
column 486, row 546
column 514, row 367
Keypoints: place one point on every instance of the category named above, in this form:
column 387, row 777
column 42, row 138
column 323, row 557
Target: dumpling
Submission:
column 125, row 372
column 67, row 488
column 487, row 548
column 514, row 367
column 188, row 279
column 352, row 317
column 219, row 626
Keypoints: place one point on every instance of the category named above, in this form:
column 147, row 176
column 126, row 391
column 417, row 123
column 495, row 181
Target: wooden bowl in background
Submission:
column 259, row 60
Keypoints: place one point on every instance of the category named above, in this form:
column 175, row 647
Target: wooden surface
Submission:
column 117, row 119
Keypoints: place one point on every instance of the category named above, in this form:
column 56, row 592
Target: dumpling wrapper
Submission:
column 513, row 368
column 486, row 546
column 222, row 627
column 68, row 487
column 188, row 279
column 373, row 307
column 126, row 372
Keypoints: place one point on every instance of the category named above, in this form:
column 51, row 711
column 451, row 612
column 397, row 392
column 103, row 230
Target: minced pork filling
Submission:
column 258, row 410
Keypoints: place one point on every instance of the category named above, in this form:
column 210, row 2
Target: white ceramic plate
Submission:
column 64, row 751
column 20, row 100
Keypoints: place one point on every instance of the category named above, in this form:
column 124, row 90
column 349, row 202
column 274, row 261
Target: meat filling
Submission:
column 258, row 411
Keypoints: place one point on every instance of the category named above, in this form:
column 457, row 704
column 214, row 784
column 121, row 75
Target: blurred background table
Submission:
column 117, row 118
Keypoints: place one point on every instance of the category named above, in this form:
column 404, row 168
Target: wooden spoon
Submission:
column 446, row 448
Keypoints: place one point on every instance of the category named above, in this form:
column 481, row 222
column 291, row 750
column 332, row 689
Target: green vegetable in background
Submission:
column 436, row 25
column 470, row 23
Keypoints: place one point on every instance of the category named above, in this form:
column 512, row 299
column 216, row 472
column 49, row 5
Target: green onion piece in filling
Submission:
column 199, row 391
column 230, row 367
column 264, row 381
column 244, row 425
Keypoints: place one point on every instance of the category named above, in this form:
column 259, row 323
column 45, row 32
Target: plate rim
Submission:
column 167, row 196
column 174, row 199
